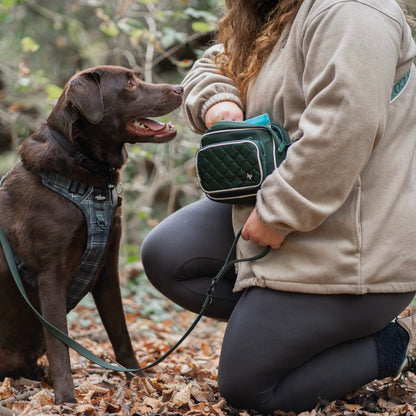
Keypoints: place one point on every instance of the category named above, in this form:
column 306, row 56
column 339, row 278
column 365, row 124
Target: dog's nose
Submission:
column 178, row 89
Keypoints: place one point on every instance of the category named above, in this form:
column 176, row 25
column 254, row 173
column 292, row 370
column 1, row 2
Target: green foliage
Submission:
column 29, row 45
column 53, row 91
column 6, row 4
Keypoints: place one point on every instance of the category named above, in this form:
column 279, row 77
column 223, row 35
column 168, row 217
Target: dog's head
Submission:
column 113, row 101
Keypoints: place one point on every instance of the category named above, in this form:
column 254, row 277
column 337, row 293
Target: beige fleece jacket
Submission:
column 346, row 193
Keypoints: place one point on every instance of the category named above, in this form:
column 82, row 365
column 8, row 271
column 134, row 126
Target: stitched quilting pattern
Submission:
column 235, row 158
column 230, row 166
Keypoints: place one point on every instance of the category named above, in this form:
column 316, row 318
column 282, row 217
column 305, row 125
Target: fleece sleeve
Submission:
column 204, row 87
column 350, row 52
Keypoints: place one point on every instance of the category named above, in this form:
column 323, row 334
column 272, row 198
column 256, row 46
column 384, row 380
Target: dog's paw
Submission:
column 37, row 373
column 65, row 396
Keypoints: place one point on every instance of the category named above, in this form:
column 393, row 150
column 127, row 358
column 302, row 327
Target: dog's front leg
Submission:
column 52, row 298
column 107, row 297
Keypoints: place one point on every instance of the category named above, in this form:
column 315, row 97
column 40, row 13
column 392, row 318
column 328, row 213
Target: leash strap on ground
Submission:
column 71, row 343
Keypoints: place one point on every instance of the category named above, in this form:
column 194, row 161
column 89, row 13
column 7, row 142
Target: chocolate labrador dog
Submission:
column 62, row 216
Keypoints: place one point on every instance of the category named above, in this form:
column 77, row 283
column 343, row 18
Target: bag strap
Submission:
column 71, row 343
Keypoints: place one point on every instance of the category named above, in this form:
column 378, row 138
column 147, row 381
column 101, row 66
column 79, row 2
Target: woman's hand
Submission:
column 256, row 231
column 225, row 110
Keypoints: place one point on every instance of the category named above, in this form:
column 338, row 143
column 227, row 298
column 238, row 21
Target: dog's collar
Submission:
column 84, row 161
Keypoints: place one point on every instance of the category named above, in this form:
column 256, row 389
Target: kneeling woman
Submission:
column 315, row 318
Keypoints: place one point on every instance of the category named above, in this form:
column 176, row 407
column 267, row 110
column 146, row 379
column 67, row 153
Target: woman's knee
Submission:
column 242, row 382
column 243, row 392
column 201, row 230
column 149, row 250
column 159, row 255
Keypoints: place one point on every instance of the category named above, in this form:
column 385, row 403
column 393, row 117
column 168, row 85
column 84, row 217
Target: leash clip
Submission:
column 212, row 287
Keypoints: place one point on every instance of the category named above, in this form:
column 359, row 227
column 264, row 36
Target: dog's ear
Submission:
column 84, row 93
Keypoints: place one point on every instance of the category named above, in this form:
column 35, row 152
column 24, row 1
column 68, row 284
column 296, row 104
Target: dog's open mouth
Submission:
column 146, row 128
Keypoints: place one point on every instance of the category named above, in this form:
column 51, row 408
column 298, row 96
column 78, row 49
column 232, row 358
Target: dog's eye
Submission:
column 130, row 85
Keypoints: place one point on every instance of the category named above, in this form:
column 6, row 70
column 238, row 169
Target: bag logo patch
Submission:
column 100, row 197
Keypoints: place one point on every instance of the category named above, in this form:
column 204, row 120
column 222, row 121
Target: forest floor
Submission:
column 184, row 384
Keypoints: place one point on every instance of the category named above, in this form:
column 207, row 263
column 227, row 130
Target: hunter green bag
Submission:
column 235, row 158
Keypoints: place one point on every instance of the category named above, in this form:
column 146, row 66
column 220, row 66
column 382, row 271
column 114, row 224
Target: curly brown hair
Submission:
column 249, row 30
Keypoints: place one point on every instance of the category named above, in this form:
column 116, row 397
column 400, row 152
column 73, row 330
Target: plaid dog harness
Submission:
column 98, row 206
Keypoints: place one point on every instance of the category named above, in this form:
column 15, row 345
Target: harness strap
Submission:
column 98, row 206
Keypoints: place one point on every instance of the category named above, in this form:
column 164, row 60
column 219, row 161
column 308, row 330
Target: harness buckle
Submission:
column 101, row 222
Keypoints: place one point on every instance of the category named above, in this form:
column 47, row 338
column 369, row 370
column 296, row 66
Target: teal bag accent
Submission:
column 400, row 85
column 235, row 158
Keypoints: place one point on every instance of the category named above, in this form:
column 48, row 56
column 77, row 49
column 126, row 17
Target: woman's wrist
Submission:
column 224, row 110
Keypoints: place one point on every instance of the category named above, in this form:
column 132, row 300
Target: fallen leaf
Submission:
column 182, row 397
column 42, row 398
column 5, row 389
column 353, row 406
column 85, row 409
column 151, row 404
column 87, row 387
column 219, row 405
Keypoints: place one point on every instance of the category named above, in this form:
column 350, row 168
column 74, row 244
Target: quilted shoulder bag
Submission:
column 235, row 158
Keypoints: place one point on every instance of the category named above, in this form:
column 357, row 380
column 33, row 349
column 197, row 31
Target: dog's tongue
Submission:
column 145, row 127
column 152, row 124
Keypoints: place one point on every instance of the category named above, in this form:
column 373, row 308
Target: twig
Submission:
column 150, row 50
column 4, row 411
column 18, row 397
column 167, row 54
column 94, row 370
column 8, row 71
column 48, row 13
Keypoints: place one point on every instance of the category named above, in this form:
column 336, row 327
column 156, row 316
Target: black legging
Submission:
column 281, row 350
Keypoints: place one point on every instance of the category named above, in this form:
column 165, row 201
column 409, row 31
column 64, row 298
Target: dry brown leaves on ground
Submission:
column 184, row 384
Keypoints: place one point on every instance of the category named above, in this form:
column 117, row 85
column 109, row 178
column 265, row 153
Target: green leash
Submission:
column 397, row 89
column 71, row 343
